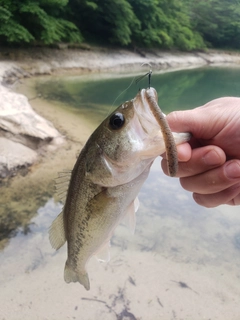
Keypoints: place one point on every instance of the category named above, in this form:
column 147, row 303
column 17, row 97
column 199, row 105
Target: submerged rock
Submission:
column 22, row 132
column 13, row 156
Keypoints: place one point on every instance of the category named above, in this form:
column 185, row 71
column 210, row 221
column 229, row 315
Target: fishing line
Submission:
column 123, row 91
column 149, row 73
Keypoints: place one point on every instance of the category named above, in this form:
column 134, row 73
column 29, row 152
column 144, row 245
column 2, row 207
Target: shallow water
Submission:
column 183, row 89
column 182, row 263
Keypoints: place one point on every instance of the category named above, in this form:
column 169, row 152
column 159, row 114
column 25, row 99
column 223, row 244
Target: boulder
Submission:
column 14, row 156
column 22, row 132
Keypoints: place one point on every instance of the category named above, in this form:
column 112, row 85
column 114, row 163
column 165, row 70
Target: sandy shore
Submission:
column 20, row 63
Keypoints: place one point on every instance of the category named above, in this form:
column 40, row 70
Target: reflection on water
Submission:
column 29, row 249
column 184, row 89
column 18, row 207
column 181, row 257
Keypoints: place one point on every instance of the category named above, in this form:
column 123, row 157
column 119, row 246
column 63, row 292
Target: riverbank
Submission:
column 20, row 63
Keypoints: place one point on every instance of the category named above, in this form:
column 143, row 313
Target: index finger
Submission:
column 184, row 152
column 202, row 159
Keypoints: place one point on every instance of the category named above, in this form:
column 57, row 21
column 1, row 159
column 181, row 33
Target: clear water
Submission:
column 183, row 261
column 183, row 89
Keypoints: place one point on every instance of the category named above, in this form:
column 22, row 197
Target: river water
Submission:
column 183, row 261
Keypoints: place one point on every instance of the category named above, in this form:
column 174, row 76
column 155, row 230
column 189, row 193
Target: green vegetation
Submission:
column 218, row 21
column 40, row 21
column 182, row 24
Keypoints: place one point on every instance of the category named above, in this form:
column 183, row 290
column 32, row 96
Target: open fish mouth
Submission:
column 144, row 113
column 152, row 120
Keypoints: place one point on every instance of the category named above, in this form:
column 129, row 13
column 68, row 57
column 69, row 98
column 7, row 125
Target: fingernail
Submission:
column 212, row 158
column 232, row 170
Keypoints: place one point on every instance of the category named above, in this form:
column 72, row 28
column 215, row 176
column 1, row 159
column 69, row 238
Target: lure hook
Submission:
column 148, row 74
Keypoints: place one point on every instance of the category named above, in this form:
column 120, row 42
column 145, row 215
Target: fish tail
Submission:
column 71, row 275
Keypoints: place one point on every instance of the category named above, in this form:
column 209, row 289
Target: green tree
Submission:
column 218, row 21
column 180, row 27
column 40, row 20
column 111, row 21
column 159, row 23
column 166, row 24
column 153, row 24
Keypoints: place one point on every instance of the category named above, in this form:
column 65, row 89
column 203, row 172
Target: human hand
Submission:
column 209, row 166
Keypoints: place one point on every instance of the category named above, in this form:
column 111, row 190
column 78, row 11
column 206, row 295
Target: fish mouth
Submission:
column 160, row 137
column 143, row 111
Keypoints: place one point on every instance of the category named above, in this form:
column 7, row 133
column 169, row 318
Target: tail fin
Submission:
column 71, row 275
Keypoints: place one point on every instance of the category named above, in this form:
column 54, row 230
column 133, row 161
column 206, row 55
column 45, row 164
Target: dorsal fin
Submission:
column 61, row 184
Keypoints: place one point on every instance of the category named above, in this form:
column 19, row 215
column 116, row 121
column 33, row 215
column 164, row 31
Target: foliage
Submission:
column 165, row 23
column 137, row 22
column 153, row 24
column 10, row 29
column 40, row 20
column 218, row 21
column 182, row 24
column 112, row 21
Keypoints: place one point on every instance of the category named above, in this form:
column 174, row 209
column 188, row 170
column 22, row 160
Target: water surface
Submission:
column 182, row 255
column 185, row 89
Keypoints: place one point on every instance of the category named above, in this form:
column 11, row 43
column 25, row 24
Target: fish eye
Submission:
column 116, row 121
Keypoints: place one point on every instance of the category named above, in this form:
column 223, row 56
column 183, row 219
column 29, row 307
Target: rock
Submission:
column 18, row 118
column 13, row 156
column 22, row 132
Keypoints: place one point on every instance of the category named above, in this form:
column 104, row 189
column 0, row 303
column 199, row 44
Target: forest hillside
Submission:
column 166, row 24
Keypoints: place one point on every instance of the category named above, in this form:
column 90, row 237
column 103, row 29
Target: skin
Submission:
column 209, row 165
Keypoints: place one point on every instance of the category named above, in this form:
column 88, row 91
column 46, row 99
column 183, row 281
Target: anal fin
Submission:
column 57, row 235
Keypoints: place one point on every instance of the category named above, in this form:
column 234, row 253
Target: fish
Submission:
column 106, row 179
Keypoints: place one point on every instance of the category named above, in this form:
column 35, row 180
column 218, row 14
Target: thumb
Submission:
column 182, row 121
column 199, row 122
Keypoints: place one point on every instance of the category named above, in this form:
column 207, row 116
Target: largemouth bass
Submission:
column 106, row 180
